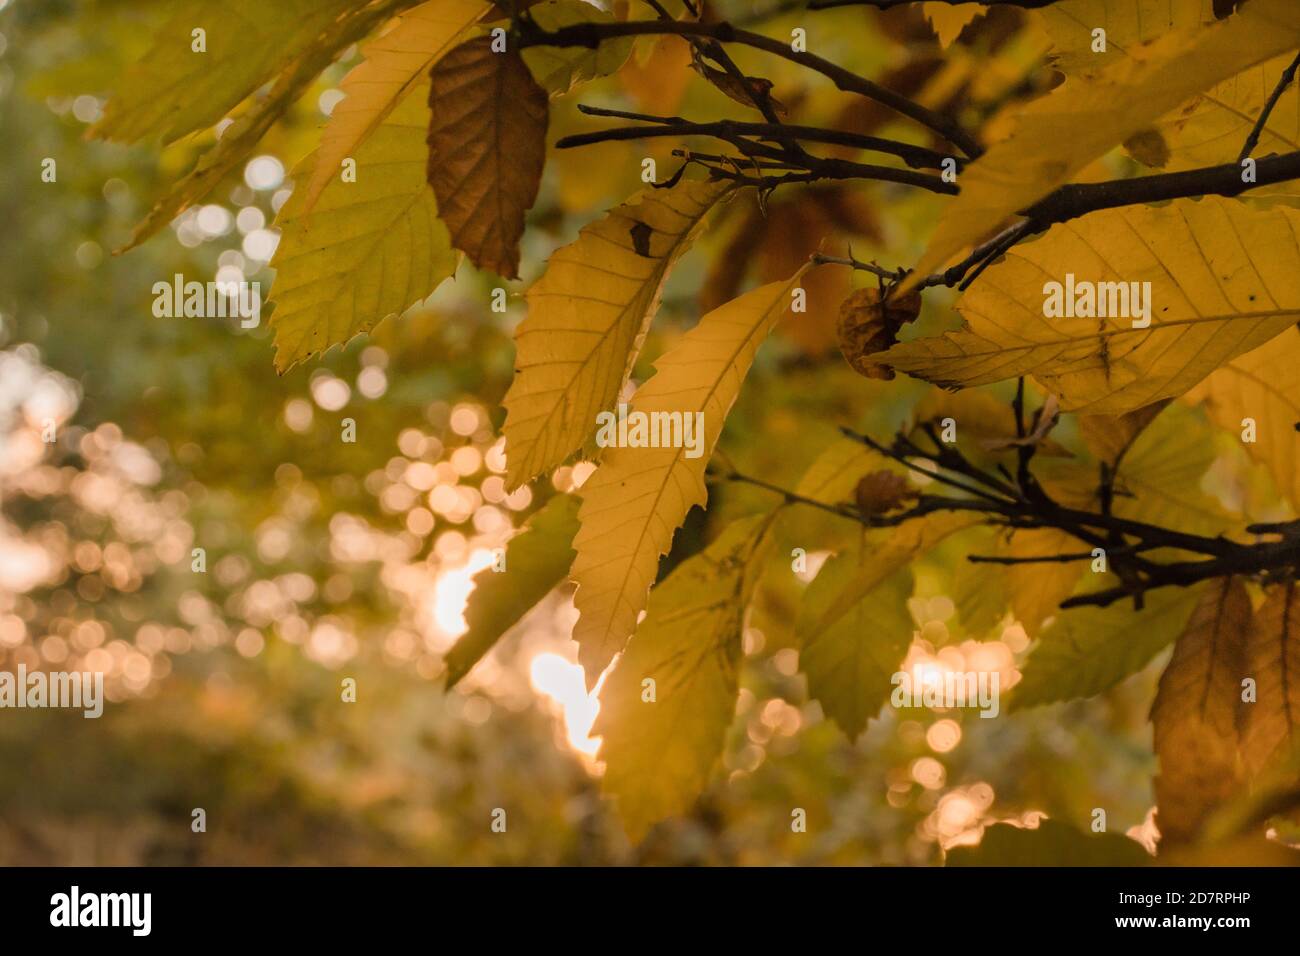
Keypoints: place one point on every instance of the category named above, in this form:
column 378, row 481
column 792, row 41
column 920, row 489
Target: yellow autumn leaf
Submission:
column 1037, row 589
column 1212, row 128
column 635, row 501
column 368, row 250
column 835, row 472
column 1061, row 133
column 1195, row 712
column 176, row 89
column 1071, row 25
column 394, row 64
column 586, row 318
column 1263, row 386
column 667, row 704
column 949, row 19
column 1224, row 278
column 1109, row 437
column 1158, row 480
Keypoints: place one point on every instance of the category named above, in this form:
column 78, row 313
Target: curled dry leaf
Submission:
column 755, row 92
column 882, row 491
column 487, row 146
column 866, row 326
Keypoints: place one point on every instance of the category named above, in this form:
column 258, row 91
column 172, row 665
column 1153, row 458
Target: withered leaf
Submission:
column 866, row 327
column 882, row 491
column 754, row 92
column 487, row 146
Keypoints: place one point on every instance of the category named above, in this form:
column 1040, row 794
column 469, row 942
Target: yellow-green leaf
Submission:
column 246, row 130
column 1088, row 650
column 394, row 65
column 1037, row 589
column 1224, row 278
column 849, row 662
column 634, row 502
column 902, row 546
column 559, row 69
column 368, row 250
column 835, row 472
column 536, row 561
column 667, row 704
column 174, row 90
column 586, row 318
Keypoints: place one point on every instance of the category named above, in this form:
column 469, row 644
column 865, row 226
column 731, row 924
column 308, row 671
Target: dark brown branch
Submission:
column 1079, row 199
column 1285, row 80
column 591, row 34
column 917, row 157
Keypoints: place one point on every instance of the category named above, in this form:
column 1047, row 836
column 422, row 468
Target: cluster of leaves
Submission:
column 442, row 133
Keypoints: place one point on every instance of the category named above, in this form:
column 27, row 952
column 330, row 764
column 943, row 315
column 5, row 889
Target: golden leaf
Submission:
column 586, row 318
column 634, row 502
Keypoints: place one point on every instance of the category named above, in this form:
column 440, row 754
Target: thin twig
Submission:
column 1286, row 79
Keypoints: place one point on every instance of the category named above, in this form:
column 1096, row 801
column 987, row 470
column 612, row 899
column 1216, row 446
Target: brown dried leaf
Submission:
column 487, row 146
column 1194, row 713
column 1270, row 726
column 882, row 491
column 754, row 92
column 866, row 327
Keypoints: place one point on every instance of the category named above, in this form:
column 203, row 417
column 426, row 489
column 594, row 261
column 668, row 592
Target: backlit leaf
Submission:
column 1224, row 277
column 394, row 65
column 536, row 561
column 635, row 501
column 658, row 752
column 587, row 316
column 368, row 250
column 1270, row 726
column 1061, row 133
column 1088, row 650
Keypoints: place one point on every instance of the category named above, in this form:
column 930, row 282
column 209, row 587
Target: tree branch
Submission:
column 591, row 35
column 917, row 157
column 1285, row 80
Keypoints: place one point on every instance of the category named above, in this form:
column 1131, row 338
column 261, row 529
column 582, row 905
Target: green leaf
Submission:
column 1050, row 844
column 658, row 753
column 1088, row 650
column 537, row 560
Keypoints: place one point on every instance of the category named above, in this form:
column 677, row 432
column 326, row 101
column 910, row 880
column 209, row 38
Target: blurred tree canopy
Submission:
column 960, row 371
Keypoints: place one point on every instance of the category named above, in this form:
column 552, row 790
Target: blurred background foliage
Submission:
column 328, row 560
